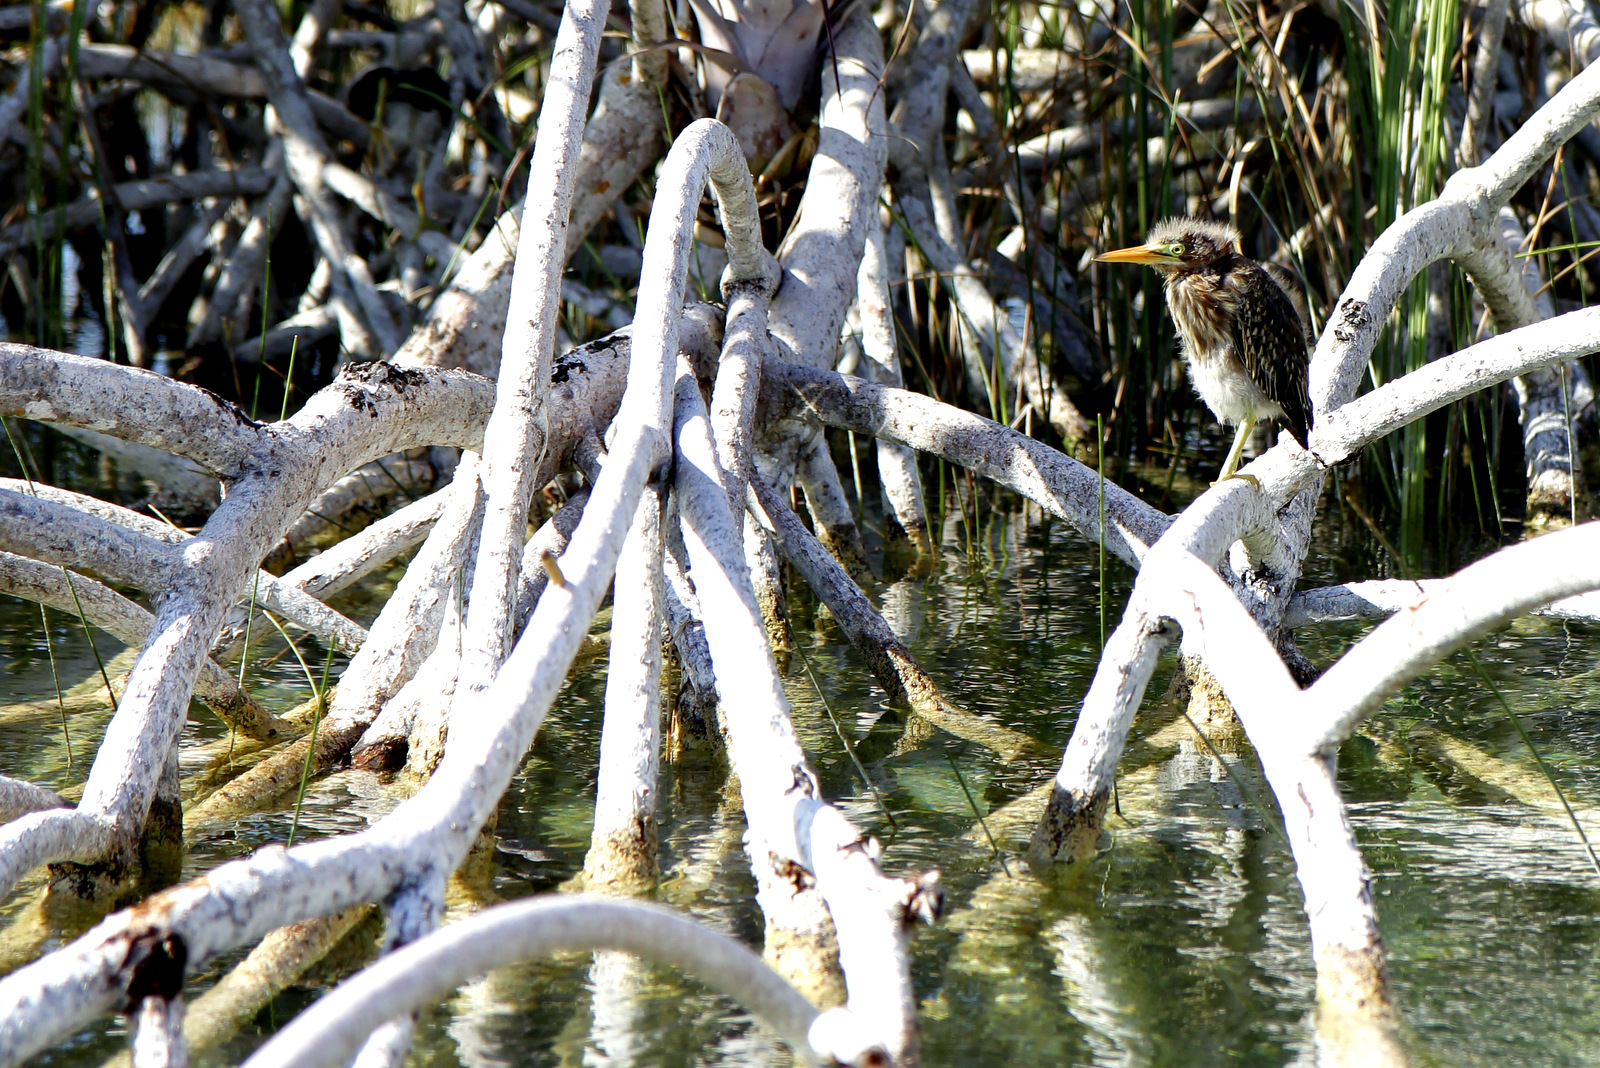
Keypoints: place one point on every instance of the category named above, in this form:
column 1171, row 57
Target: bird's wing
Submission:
column 1270, row 341
column 1289, row 282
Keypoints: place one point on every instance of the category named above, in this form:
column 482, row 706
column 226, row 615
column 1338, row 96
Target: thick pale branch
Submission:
column 738, row 383
column 409, row 625
column 514, row 460
column 1071, row 825
column 420, row 974
column 624, row 136
column 1454, row 611
column 139, row 551
column 273, row 966
column 1381, row 598
column 1176, row 587
column 371, row 486
column 549, row 540
column 371, row 410
column 622, row 849
column 1207, row 529
column 1298, row 734
column 58, row 534
column 1418, row 238
column 821, row 255
column 782, row 800
column 158, row 1033
column 897, row 464
column 823, row 248
column 1349, row 429
column 18, row 798
column 1456, row 224
column 361, row 554
column 128, row 403
column 1056, row 482
column 431, row 833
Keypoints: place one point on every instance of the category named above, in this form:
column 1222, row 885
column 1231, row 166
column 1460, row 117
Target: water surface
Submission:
column 1183, row 943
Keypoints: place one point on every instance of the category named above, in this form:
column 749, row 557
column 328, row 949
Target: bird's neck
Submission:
column 1202, row 308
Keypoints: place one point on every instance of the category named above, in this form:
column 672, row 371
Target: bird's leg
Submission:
column 1231, row 465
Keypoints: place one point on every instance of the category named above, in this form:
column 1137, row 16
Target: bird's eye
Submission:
column 1176, row 248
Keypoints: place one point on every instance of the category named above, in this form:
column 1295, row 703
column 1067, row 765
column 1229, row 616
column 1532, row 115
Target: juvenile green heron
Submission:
column 1244, row 338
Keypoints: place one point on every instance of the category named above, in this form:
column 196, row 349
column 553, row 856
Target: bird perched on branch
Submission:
column 1244, row 338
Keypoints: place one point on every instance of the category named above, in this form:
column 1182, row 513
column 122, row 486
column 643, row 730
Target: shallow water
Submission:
column 1184, row 943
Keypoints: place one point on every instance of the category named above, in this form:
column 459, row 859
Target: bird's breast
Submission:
column 1203, row 314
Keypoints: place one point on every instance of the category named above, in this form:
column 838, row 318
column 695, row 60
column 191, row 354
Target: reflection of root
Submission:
column 1138, row 796
column 1070, row 830
column 1197, row 691
column 86, row 696
column 221, row 762
column 1465, row 767
column 918, row 733
column 268, row 780
column 39, row 915
column 1011, row 823
column 1357, row 1024
column 233, row 785
column 1027, row 949
column 895, row 665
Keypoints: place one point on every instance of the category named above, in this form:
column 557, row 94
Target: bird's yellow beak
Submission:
column 1146, row 254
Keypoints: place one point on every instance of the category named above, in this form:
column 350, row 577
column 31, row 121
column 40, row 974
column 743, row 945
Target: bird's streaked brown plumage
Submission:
column 1244, row 338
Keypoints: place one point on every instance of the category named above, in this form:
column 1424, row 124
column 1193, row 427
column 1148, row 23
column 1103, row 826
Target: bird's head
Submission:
column 1180, row 246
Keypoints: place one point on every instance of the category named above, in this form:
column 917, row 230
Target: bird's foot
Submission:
column 1252, row 479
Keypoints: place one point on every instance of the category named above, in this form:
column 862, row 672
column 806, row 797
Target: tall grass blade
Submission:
column 321, row 695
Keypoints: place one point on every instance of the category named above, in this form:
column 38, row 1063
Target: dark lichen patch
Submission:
column 1353, row 317
column 358, row 398
column 380, row 374
column 570, row 363
column 360, row 381
column 565, row 367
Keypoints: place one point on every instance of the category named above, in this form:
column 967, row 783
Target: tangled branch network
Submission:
column 690, row 429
